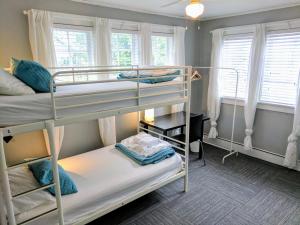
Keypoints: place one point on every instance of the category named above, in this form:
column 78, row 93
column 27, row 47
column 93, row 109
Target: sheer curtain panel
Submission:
column 146, row 44
column 179, row 57
column 107, row 126
column 254, row 78
column 42, row 47
column 291, row 156
column 214, row 95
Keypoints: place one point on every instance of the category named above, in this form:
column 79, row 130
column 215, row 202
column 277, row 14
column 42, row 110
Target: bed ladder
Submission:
column 5, row 185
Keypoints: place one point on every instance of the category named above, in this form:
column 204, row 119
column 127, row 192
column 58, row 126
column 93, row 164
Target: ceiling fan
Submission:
column 194, row 9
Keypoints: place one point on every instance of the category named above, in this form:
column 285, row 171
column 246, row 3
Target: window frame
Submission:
column 132, row 32
column 171, row 50
column 91, row 44
column 233, row 36
column 277, row 106
column 271, row 28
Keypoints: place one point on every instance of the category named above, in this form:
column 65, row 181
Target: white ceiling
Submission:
column 213, row 8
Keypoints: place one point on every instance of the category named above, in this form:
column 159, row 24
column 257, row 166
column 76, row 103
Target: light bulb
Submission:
column 194, row 9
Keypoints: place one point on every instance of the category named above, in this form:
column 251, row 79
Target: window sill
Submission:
column 262, row 105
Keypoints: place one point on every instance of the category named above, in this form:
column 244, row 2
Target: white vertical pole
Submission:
column 6, row 186
column 231, row 150
column 187, row 131
column 2, row 205
column 53, row 98
column 139, row 100
column 50, row 129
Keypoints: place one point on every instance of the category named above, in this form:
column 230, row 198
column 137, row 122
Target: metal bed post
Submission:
column 6, row 186
column 139, row 100
column 2, row 204
column 50, row 129
column 187, row 136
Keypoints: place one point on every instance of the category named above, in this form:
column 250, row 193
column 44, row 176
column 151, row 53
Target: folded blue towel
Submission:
column 142, row 160
column 146, row 80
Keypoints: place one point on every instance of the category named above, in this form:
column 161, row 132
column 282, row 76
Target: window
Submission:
column 235, row 54
column 125, row 49
column 281, row 68
column 73, row 47
column 162, row 50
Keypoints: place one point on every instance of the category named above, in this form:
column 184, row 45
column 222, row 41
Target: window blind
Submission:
column 281, row 68
column 162, row 47
column 125, row 49
column 235, row 54
column 73, row 48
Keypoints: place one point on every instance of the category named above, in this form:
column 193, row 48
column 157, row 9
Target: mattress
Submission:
column 16, row 110
column 104, row 177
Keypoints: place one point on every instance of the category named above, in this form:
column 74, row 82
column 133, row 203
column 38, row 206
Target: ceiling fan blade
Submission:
column 172, row 3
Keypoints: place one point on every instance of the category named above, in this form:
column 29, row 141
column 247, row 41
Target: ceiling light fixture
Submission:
column 194, row 9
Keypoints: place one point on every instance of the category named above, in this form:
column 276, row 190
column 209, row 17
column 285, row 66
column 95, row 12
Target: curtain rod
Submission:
column 76, row 25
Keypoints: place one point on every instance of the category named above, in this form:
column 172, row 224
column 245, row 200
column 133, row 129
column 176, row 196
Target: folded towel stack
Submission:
column 145, row 149
column 160, row 76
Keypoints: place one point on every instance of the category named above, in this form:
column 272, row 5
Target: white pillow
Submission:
column 10, row 85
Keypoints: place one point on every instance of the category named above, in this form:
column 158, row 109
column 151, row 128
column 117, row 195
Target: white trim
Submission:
column 130, row 9
column 270, row 26
column 255, row 152
column 250, row 12
column 262, row 105
column 185, row 17
column 230, row 101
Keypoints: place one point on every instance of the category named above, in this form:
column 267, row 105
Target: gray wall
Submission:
column 271, row 128
column 14, row 42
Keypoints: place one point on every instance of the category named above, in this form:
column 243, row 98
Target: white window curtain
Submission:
column 214, row 95
column 179, row 57
column 42, row 47
column 146, row 44
column 59, row 137
column 103, row 43
column 41, row 37
column 254, row 78
column 107, row 126
column 291, row 156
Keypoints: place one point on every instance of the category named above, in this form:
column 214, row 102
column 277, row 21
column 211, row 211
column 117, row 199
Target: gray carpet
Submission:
column 244, row 191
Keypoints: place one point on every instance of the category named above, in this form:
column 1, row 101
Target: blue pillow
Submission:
column 33, row 74
column 42, row 171
column 159, row 79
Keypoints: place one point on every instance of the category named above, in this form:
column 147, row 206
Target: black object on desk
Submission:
column 175, row 121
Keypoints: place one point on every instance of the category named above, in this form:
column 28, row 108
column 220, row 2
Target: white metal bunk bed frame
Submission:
column 50, row 125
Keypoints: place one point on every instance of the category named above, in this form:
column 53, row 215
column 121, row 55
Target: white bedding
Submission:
column 105, row 176
column 17, row 110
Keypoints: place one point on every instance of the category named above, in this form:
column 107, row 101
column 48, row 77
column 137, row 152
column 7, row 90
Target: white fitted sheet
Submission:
column 104, row 177
column 24, row 109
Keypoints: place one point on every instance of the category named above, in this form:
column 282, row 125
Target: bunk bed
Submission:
column 77, row 101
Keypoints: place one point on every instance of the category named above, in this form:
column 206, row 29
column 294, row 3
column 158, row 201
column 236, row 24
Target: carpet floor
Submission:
column 244, row 191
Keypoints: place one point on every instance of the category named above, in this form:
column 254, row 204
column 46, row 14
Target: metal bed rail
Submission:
column 103, row 71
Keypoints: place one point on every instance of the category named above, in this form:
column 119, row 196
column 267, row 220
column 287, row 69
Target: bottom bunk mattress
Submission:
column 103, row 178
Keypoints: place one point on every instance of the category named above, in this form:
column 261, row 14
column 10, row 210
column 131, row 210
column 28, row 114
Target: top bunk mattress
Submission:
column 16, row 110
column 105, row 177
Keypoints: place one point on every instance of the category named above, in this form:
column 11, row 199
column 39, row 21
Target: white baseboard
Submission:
column 256, row 153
